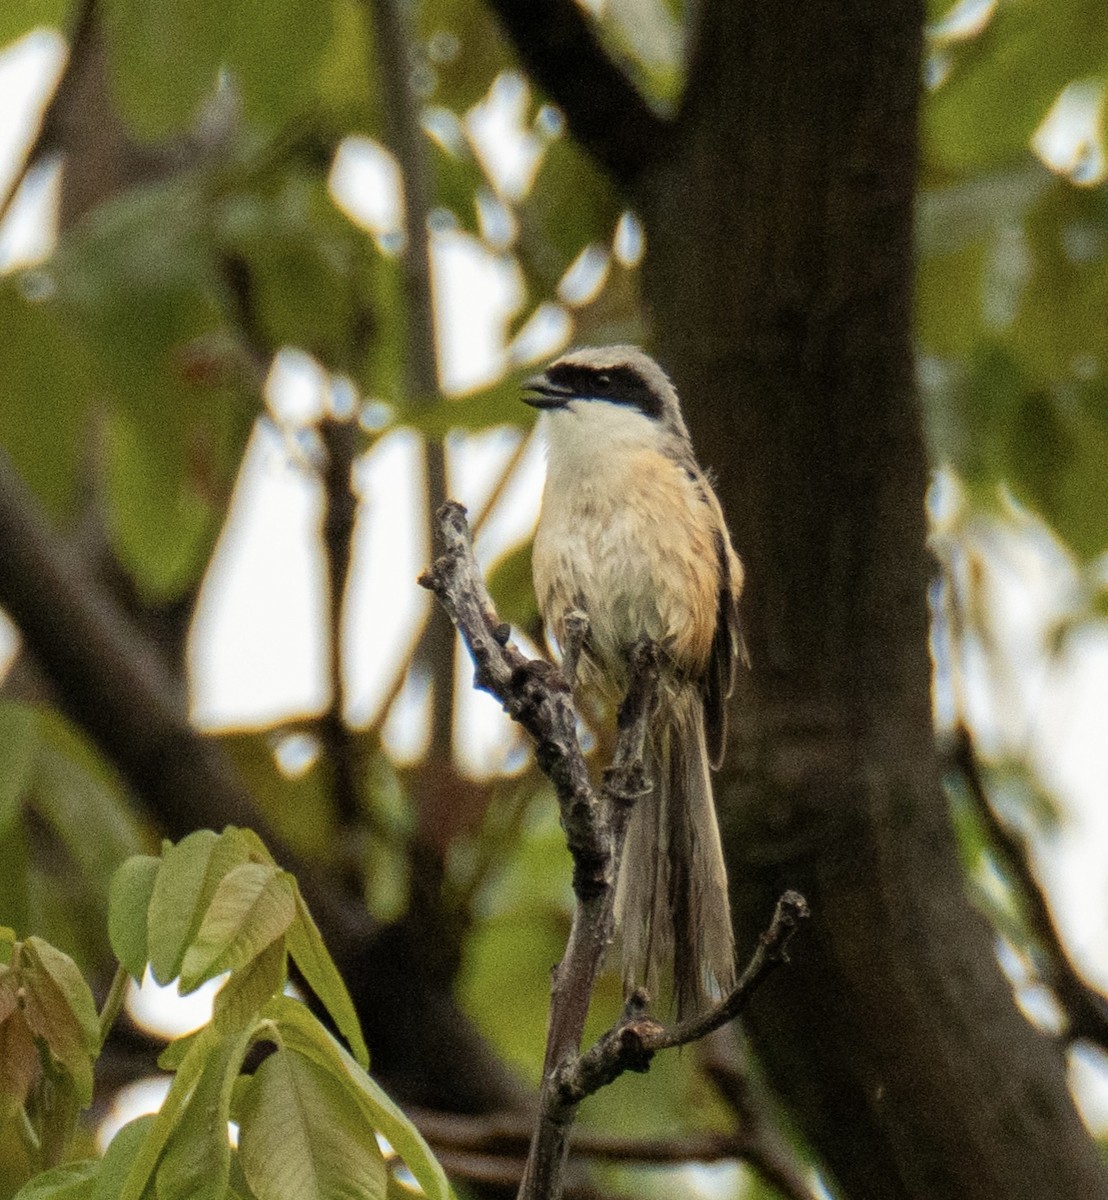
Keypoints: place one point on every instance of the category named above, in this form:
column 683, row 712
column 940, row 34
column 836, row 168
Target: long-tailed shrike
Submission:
column 632, row 533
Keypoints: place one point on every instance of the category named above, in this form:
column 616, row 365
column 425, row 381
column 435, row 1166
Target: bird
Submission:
column 631, row 533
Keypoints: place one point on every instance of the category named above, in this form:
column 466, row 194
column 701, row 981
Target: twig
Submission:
column 508, row 1134
column 340, row 510
column 45, row 140
column 1086, row 1008
column 631, row 1043
column 404, row 136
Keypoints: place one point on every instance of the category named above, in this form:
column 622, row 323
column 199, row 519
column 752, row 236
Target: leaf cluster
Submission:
column 309, row 1117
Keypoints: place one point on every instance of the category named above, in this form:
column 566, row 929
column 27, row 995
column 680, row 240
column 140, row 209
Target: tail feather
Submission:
column 671, row 896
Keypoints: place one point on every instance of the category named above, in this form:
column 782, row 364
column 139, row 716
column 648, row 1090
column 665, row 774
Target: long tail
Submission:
column 671, row 896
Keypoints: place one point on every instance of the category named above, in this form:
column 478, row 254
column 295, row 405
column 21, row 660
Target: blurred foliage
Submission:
column 1012, row 286
column 133, row 367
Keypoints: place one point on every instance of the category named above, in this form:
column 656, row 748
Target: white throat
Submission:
column 588, row 435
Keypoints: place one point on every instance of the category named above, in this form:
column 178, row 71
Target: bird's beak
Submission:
column 539, row 392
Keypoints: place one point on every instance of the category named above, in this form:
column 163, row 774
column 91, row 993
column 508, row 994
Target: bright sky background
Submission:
column 256, row 658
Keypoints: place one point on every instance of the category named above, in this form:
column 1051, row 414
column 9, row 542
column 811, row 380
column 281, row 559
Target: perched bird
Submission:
column 632, row 534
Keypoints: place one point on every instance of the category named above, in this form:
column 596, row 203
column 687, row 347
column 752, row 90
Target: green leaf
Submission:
column 977, row 117
column 70, row 1181
column 18, row 745
column 162, row 59
column 18, row 17
column 139, row 279
column 309, row 272
column 253, row 905
column 301, row 1137
column 197, row 1160
column 464, row 51
column 571, row 204
column 144, row 1154
column 512, row 589
column 121, row 1155
column 161, row 530
column 300, row 809
column 498, row 404
column 60, row 1009
column 83, row 801
column 306, row 946
column 129, row 898
column 302, row 1032
column 182, row 890
column 190, row 874
column 274, row 52
column 44, row 387
column 249, row 990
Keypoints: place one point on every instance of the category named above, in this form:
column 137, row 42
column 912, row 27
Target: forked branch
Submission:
column 539, row 696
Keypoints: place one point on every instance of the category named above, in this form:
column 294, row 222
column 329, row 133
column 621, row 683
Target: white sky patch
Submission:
column 1070, row 140
column 164, row 1012
column 28, row 70
column 366, row 184
column 256, row 653
column 130, row 1102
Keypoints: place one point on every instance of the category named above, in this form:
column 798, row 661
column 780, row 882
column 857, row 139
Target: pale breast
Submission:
column 634, row 546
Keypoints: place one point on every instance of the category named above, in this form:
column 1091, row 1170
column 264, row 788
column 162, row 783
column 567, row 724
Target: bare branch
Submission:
column 340, row 440
column 537, row 695
column 634, row 1040
column 508, row 1134
column 405, row 138
column 559, row 49
column 1086, row 1008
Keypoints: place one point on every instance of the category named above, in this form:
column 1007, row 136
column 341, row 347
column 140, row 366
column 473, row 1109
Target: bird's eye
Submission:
column 603, row 382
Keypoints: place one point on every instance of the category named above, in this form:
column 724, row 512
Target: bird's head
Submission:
column 611, row 394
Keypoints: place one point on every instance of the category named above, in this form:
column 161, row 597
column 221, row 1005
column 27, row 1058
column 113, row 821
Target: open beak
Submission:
column 539, row 392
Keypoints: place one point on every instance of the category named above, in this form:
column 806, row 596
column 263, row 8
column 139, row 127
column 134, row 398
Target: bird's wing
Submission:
column 728, row 644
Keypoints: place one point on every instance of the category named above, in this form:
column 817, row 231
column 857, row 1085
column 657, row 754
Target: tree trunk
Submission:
column 778, row 275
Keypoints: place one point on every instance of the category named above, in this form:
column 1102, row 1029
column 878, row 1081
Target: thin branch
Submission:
column 559, row 49
column 1086, row 1008
column 633, row 1041
column 531, row 691
column 403, row 134
column 340, row 506
column 46, row 140
column 508, row 1134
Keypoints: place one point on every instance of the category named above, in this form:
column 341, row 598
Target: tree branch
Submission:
column 634, row 1040
column 606, row 113
column 538, row 696
column 404, row 136
column 1086, row 1008
column 339, row 513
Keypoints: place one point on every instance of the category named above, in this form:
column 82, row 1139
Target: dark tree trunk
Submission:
column 778, row 276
